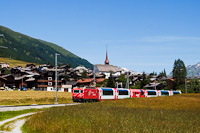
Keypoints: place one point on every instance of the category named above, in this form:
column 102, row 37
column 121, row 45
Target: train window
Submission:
column 107, row 92
column 76, row 91
column 142, row 93
column 123, row 92
column 81, row 91
column 176, row 93
column 151, row 93
column 163, row 93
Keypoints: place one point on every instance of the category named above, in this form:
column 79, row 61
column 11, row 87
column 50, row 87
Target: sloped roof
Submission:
column 100, row 80
column 31, row 79
column 106, row 68
column 33, row 73
column 71, row 82
column 4, row 76
column 152, row 85
column 85, row 80
column 19, row 78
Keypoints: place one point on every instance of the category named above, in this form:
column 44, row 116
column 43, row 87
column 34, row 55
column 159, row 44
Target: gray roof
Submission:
column 106, row 68
column 33, row 73
column 152, row 85
column 71, row 82
column 31, row 79
column 19, row 78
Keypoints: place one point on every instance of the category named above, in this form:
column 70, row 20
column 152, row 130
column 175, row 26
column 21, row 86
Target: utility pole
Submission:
column 56, row 80
column 127, row 81
column 94, row 75
column 186, row 85
column 22, row 83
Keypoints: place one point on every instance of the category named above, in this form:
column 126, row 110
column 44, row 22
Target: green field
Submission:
column 179, row 113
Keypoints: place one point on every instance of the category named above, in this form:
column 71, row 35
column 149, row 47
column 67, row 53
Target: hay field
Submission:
column 13, row 63
column 174, row 114
column 33, row 97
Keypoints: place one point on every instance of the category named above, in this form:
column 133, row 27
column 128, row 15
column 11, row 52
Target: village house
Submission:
column 155, row 86
column 4, row 65
column 85, row 82
column 46, row 81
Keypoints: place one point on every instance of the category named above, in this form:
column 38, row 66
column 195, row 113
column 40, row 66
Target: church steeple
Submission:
column 106, row 61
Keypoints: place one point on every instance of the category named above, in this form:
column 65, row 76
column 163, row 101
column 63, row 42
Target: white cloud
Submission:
column 159, row 39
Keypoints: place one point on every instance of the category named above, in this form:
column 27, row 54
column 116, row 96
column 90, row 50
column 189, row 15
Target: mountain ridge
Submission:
column 193, row 70
column 25, row 48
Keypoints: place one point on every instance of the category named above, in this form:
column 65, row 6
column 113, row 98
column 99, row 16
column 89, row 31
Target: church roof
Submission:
column 106, row 68
column 107, row 61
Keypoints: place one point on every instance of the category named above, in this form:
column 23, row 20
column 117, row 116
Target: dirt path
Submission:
column 16, row 108
column 15, row 118
column 19, row 123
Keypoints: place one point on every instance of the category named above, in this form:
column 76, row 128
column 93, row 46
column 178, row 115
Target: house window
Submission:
column 49, row 78
column 50, row 73
column 50, row 83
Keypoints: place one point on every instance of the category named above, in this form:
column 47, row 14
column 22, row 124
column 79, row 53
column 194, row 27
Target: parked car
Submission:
column 24, row 89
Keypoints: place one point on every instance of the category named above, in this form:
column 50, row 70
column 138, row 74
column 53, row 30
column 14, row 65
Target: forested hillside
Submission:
column 22, row 47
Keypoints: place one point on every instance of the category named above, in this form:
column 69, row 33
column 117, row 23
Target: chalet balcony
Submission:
column 45, row 86
column 41, row 80
column 42, row 86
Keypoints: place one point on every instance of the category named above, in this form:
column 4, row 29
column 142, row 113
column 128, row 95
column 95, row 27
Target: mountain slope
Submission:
column 25, row 48
column 193, row 70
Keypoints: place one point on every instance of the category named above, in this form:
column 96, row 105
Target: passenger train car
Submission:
column 98, row 94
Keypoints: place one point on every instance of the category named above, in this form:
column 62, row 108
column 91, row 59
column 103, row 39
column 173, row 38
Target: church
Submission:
column 106, row 68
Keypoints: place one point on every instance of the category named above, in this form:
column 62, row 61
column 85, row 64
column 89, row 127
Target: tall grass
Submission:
column 33, row 97
column 162, row 114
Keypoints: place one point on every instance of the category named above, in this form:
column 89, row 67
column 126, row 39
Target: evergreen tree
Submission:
column 122, row 79
column 75, row 76
column 66, row 77
column 145, row 80
column 84, row 74
column 110, row 82
column 194, row 86
column 7, row 71
column 163, row 74
column 179, row 74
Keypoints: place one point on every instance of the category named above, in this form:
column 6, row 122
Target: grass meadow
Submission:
column 33, row 97
column 180, row 113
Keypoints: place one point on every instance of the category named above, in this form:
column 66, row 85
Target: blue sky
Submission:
column 145, row 35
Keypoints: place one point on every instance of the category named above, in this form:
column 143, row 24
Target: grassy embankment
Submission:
column 13, row 63
column 10, row 114
column 33, row 97
column 179, row 113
